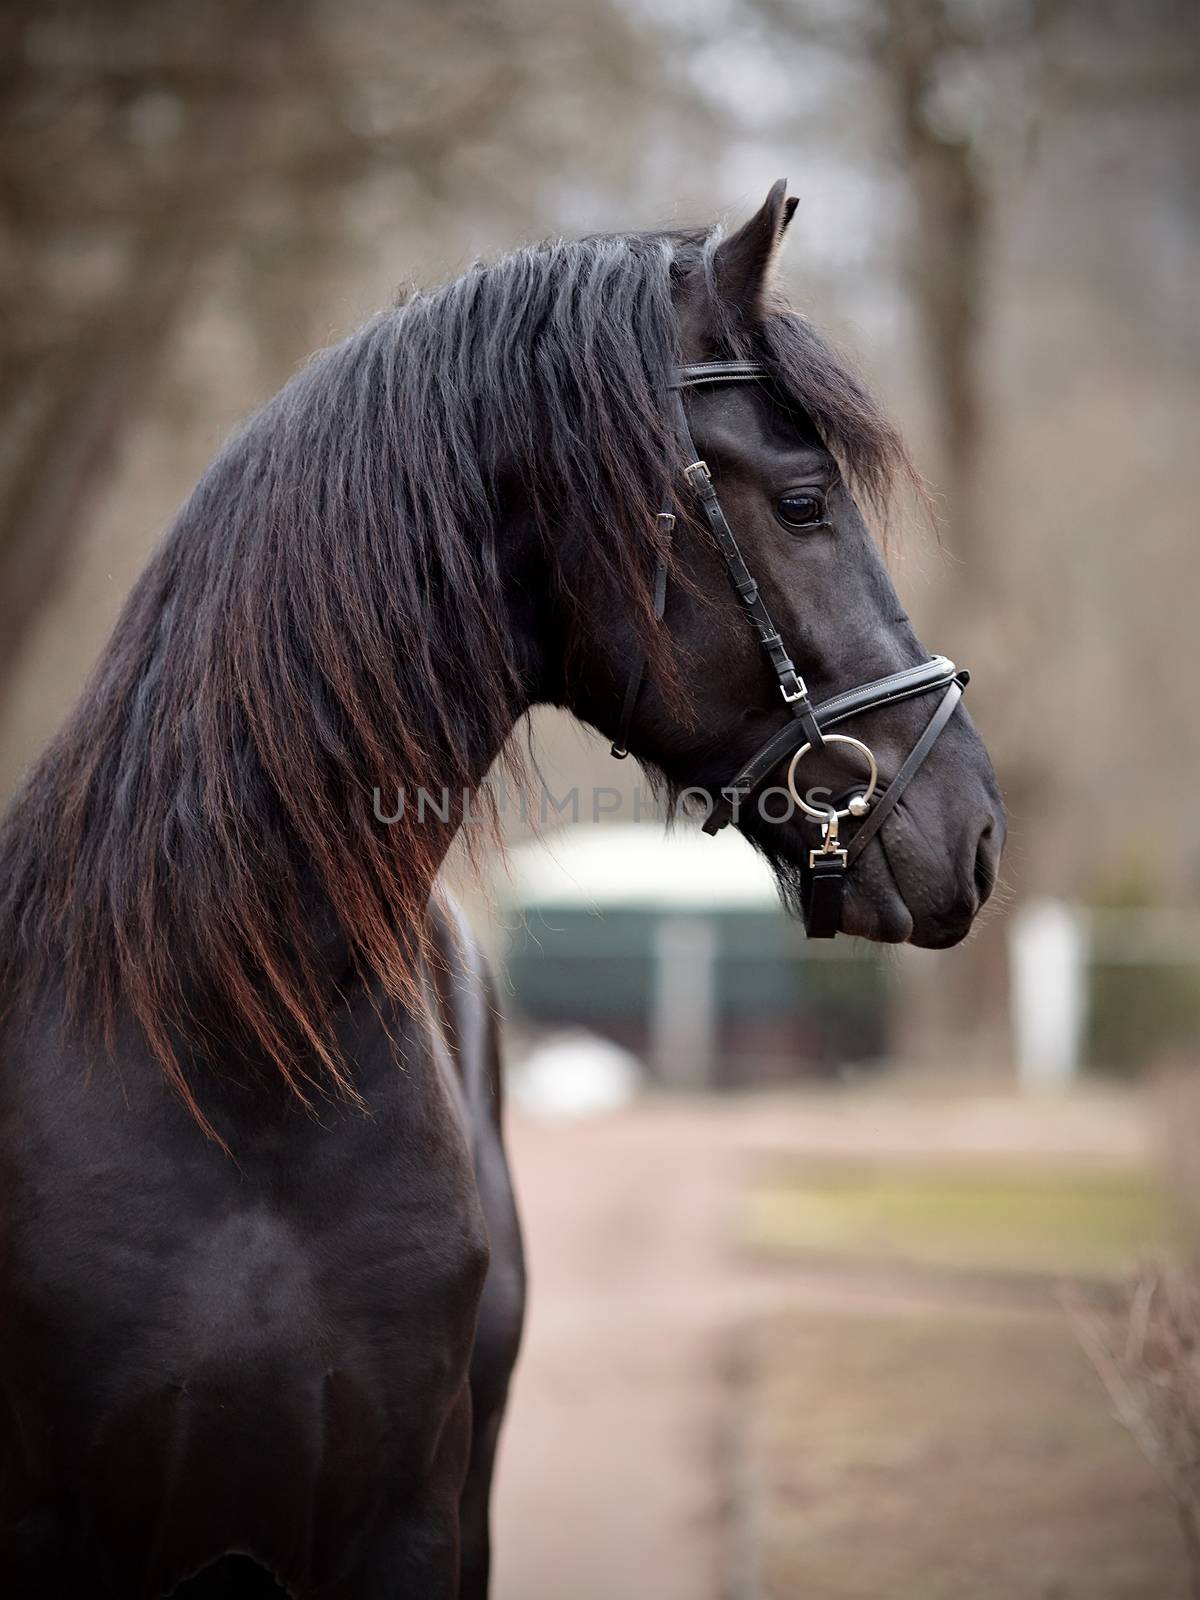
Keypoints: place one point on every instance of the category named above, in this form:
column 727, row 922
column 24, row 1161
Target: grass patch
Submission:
column 947, row 1456
column 1055, row 1222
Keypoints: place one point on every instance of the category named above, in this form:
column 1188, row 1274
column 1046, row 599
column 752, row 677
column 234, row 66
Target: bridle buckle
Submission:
column 829, row 849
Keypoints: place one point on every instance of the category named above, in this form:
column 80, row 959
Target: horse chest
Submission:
column 337, row 1256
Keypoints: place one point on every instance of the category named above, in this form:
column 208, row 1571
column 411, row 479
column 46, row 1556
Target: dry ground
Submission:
column 950, row 1455
column 693, row 1420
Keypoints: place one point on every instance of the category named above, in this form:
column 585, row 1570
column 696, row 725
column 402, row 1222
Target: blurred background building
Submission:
column 999, row 218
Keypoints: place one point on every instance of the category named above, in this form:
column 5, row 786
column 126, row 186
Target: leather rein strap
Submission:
column 829, row 863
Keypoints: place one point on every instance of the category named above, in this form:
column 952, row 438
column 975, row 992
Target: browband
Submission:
column 717, row 372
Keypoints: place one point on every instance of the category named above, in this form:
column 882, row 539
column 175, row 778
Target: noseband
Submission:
column 809, row 730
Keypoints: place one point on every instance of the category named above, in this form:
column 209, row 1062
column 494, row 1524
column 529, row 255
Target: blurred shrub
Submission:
column 1143, row 1005
column 1146, row 1346
column 1138, row 1012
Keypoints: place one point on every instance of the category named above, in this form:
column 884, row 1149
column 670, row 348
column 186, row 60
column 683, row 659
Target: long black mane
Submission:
column 327, row 614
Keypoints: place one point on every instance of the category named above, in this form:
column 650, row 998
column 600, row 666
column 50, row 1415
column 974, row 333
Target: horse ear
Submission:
column 743, row 262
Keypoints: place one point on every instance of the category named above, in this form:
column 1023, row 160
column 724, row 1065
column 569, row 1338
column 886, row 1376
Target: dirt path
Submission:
column 610, row 1482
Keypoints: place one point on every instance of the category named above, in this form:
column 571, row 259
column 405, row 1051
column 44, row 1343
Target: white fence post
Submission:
column 683, row 1022
column 1047, row 948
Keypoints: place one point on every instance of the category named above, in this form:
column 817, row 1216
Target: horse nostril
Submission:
column 985, row 862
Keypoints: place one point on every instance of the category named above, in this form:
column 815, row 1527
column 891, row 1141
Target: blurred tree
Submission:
column 995, row 121
column 142, row 139
column 927, row 61
column 124, row 131
column 936, row 57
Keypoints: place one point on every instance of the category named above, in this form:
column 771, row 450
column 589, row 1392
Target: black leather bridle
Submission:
column 811, row 724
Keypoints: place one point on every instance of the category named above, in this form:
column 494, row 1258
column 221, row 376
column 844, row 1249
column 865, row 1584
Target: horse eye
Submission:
column 801, row 510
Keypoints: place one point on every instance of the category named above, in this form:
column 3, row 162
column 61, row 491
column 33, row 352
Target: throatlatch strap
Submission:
column 637, row 672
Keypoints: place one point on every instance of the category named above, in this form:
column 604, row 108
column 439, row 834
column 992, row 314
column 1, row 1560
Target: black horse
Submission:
column 260, row 1274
